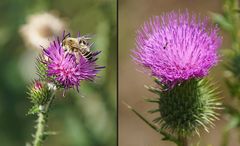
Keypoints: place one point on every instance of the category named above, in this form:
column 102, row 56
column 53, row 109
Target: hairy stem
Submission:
column 183, row 141
column 41, row 123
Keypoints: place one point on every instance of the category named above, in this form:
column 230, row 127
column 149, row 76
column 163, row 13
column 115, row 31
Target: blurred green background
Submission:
column 88, row 121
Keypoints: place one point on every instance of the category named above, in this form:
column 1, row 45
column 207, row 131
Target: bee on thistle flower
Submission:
column 67, row 69
column 65, row 63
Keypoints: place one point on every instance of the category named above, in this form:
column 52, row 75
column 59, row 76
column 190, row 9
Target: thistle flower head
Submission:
column 63, row 68
column 177, row 47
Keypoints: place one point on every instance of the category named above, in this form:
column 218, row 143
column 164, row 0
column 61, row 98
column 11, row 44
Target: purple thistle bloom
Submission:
column 177, row 47
column 65, row 70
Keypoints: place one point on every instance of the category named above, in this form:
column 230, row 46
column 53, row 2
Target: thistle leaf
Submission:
column 166, row 135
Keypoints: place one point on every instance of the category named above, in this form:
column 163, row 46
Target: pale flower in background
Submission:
column 41, row 28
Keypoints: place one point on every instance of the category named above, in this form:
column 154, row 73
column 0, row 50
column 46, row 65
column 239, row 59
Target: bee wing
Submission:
column 86, row 37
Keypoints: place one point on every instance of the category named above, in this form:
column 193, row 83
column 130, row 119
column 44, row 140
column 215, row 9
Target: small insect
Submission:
column 77, row 46
column 165, row 46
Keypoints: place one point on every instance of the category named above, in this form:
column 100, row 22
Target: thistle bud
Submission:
column 187, row 107
column 39, row 95
column 37, row 86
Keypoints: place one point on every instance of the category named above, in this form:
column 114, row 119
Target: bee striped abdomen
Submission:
column 87, row 54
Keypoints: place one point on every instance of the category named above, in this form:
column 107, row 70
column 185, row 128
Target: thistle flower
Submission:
column 177, row 47
column 57, row 68
column 63, row 69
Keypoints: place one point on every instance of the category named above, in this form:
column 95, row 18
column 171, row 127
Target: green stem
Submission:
column 41, row 123
column 183, row 141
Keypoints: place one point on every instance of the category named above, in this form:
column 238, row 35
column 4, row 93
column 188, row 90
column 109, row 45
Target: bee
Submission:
column 78, row 46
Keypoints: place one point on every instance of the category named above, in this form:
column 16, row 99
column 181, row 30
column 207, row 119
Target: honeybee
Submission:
column 78, row 46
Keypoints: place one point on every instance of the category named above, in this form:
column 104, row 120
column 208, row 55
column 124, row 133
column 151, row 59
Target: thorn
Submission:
column 127, row 105
column 48, row 133
column 145, row 86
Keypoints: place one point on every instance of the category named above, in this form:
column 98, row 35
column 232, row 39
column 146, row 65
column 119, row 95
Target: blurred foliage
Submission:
column 229, row 21
column 86, row 121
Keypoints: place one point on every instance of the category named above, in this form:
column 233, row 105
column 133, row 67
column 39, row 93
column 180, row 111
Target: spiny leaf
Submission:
column 153, row 90
column 157, row 120
column 153, row 111
column 152, row 100
column 159, row 130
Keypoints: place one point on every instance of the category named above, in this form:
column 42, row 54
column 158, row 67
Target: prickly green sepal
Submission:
column 33, row 110
column 42, row 71
column 153, row 90
column 187, row 107
column 154, row 100
column 39, row 94
column 161, row 86
column 41, row 68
